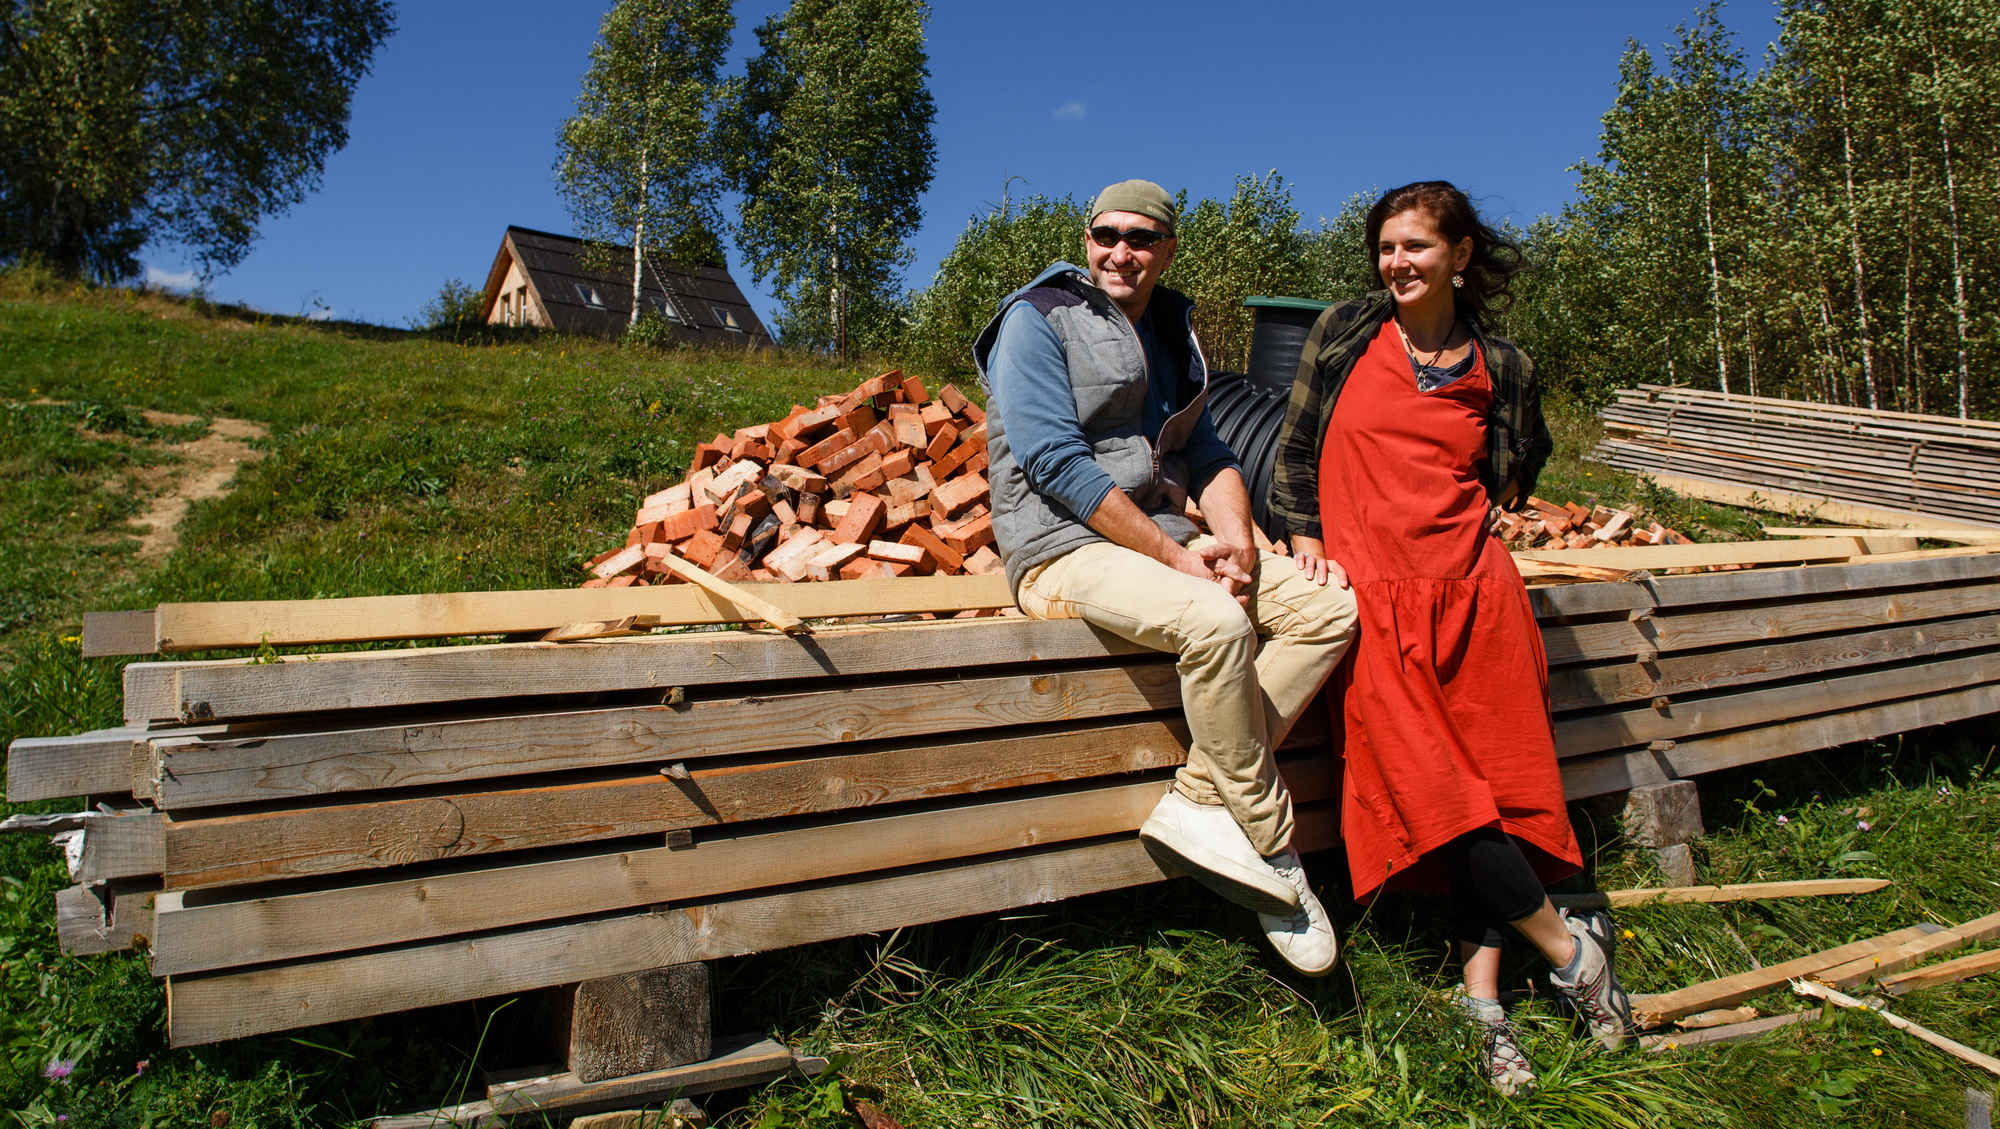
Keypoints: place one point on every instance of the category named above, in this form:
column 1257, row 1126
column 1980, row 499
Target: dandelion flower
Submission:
column 1628, row 934
column 1876, row 1051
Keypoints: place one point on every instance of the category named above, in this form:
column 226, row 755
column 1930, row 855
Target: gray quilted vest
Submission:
column 1107, row 373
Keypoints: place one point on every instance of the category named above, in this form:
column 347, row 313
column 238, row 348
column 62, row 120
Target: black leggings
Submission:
column 1492, row 884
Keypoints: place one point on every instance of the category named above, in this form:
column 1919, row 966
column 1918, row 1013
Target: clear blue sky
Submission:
column 453, row 132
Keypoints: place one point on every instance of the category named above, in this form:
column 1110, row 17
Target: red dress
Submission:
column 1444, row 697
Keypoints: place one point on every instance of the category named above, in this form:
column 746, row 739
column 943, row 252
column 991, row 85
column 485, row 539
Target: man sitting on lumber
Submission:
column 1097, row 433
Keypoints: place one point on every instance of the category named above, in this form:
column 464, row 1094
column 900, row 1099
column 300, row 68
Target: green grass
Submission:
column 399, row 463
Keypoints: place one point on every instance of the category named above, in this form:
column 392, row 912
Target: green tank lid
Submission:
column 1313, row 304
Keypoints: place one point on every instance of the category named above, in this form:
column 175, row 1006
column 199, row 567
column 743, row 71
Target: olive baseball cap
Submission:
column 1140, row 197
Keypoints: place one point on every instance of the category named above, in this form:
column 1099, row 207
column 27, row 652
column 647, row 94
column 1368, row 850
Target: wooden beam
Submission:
column 1736, row 892
column 1927, row 533
column 1728, row 1033
column 1729, row 990
column 197, row 772
column 210, row 1007
column 1796, row 503
column 91, row 920
column 1616, row 772
column 1909, row 952
column 745, row 1064
column 735, row 594
column 1944, row 972
column 325, row 839
column 118, row 633
column 226, row 689
column 221, row 932
column 284, row 623
column 100, row 762
column 1952, row 1047
column 1584, row 687
column 1634, row 557
column 1676, row 720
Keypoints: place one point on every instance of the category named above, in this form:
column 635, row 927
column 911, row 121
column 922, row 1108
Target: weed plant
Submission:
column 398, row 462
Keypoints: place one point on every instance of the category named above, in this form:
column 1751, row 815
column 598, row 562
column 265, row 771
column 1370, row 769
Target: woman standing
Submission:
column 1407, row 423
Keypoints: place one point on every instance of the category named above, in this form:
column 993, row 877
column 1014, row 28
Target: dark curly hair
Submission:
column 1495, row 260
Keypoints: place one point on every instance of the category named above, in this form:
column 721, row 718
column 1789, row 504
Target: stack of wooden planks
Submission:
column 882, row 481
column 1839, row 464
column 309, row 837
column 1546, row 525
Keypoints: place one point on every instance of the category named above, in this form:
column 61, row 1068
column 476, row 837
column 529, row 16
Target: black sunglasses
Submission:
column 1137, row 238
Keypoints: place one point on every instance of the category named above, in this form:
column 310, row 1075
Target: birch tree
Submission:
column 637, row 162
column 830, row 144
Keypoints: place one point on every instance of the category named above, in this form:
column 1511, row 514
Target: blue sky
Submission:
column 453, row 132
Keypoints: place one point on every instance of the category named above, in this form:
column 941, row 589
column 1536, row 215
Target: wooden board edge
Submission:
column 108, row 634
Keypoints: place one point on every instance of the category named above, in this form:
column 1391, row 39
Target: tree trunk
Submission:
column 1957, row 264
column 1714, row 269
column 1854, row 248
column 638, row 241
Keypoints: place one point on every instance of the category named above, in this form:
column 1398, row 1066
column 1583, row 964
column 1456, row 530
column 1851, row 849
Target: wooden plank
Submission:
column 1729, row 990
column 1944, row 972
column 54, row 768
column 1729, row 1033
column 1582, row 687
column 748, row 1062
column 300, row 842
column 1634, row 557
column 210, row 1007
column 1688, row 631
column 224, row 689
column 1679, row 719
column 1932, row 567
column 92, row 920
column 1927, row 533
column 1616, row 772
column 1734, row 892
column 1951, row 1047
column 1796, row 503
column 118, row 633
column 734, row 594
column 123, row 844
column 196, row 772
column 1910, row 952
column 283, row 623
column 201, row 935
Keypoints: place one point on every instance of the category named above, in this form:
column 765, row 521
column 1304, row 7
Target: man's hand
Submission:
column 1232, row 566
column 1310, row 555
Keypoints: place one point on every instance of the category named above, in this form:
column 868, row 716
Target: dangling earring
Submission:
column 1458, row 282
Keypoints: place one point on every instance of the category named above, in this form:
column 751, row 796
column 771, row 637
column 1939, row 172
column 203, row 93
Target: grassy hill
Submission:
column 400, row 463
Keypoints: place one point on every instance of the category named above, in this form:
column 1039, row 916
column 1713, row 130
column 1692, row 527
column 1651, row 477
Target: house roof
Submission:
column 705, row 300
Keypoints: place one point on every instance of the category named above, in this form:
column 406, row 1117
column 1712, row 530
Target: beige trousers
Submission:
column 1240, row 698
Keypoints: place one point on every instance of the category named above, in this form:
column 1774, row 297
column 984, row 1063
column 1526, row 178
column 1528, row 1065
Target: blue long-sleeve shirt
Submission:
column 1038, row 409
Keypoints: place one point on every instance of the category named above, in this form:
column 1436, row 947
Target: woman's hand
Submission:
column 1310, row 555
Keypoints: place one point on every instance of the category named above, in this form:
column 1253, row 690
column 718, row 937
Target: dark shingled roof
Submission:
column 705, row 299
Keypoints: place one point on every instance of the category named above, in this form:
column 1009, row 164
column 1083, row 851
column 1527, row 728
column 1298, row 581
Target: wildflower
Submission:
column 59, row 1069
column 1863, row 825
column 1876, row 1051
column 140, row 1066
column 1784, row 819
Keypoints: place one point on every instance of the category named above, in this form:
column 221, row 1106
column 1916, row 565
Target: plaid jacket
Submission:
column 1517, row 437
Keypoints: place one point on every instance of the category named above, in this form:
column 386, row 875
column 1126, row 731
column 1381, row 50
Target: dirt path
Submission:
column 206, row 468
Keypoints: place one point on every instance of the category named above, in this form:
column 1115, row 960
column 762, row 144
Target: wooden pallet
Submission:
column 307, row 838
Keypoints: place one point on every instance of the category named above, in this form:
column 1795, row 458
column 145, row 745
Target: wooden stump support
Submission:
column 1666, row 818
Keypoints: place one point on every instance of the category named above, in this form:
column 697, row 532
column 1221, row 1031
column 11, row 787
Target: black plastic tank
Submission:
column 1248, row 408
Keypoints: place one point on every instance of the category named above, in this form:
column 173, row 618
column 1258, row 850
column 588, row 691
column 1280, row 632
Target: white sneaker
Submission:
column 1592, row 987
column 1501, row 1061
column 1303, row 937
column 1204, row 842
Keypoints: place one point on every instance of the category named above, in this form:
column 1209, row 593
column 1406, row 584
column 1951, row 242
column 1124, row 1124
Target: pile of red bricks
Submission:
column 884, row 481
column 1546, row 525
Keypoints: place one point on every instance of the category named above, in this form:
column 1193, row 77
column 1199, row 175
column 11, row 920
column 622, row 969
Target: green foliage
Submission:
column 456, row 308
column 829, row 141
column 637, row 163
column 995, row 255
column 1253, row 245
column 124, row 121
